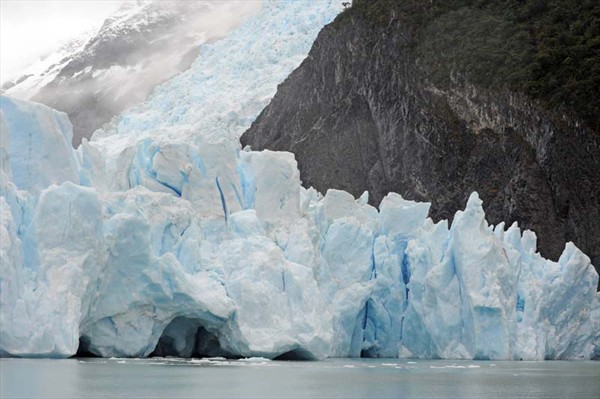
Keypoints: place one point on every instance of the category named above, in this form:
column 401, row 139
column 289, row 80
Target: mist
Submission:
column 138, row 47
column 30, row 30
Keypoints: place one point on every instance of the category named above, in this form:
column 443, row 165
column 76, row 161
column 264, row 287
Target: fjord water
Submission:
column 332, row 378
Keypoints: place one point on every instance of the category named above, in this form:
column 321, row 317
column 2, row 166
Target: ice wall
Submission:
column 27, row 127
column 165, row 237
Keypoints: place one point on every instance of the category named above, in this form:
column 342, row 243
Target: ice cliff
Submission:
column 163, row 236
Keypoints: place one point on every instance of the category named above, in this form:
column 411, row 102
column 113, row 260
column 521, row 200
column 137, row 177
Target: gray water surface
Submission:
column 332, row 378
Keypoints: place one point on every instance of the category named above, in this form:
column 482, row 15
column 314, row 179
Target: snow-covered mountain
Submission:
column 43, row 71
column 163, row 236
column 144, row 43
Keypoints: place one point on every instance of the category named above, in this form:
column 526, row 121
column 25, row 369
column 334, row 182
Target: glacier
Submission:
column 163, row 237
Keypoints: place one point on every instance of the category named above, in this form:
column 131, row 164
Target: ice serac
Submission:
column 144, row 286
column 49, row 284
column 163, row 237
column 27, row 127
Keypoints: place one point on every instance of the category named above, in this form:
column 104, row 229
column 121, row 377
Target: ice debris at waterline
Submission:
column 240, row 260
column 161, row 236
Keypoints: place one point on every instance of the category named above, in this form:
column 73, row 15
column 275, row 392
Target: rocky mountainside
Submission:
column 141, row 45
column 386, row 101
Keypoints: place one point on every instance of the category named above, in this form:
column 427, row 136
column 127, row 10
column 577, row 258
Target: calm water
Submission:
column 334, row 378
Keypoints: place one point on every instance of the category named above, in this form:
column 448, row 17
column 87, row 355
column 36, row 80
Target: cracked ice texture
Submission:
column 162, row 226
column 27, row 127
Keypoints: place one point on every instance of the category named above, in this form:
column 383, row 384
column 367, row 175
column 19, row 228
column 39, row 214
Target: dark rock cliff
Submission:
column 363, row 112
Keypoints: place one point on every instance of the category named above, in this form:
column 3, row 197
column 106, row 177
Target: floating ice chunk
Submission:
column 254, row 359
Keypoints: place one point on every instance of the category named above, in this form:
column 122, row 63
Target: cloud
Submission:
column 30, row 29
column 117, row 72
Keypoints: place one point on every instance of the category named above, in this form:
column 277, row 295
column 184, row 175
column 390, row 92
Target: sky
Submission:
column 30, row 29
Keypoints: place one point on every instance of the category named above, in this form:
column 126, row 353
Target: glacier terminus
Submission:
column 162, row 236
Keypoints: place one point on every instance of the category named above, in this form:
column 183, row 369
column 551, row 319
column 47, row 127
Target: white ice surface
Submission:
column 162, row 226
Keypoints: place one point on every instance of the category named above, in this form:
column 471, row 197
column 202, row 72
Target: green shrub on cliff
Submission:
column 549, row 49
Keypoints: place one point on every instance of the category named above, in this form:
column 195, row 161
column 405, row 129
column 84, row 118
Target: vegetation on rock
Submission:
column 549, row 49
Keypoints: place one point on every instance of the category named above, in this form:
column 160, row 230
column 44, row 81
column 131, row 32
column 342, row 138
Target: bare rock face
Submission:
column 361, row 113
